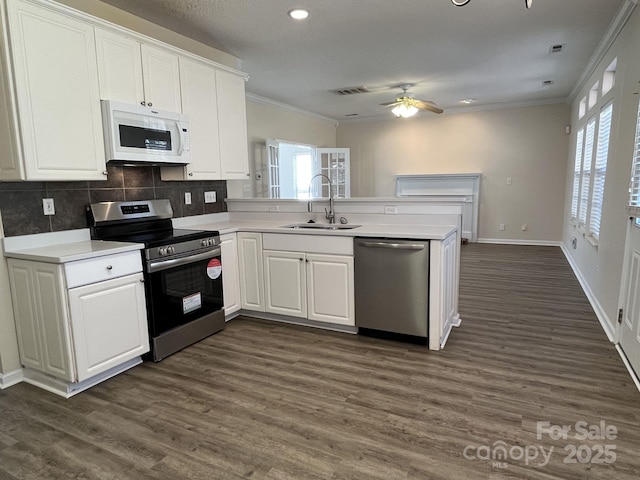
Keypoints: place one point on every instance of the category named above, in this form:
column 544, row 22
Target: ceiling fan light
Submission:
column 404, row 111
column 298, row 13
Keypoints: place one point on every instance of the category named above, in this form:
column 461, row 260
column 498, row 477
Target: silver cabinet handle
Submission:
column 397, row 246
column 109, row 267
column 143, row 103
column 150, row 104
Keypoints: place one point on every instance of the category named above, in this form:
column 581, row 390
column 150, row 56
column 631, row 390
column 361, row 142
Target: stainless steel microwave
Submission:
column 142, row 135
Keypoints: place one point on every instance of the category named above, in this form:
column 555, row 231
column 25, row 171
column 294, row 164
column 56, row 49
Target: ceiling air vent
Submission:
column 351, row 90
column 556, row 48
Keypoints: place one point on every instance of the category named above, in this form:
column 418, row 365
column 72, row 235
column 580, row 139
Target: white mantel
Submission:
column 449, row 187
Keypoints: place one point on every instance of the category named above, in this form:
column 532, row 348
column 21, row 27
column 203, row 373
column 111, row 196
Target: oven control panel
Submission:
column 208, row 242
column 180, row 249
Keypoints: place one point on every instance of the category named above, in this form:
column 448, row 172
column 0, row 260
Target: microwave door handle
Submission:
column 180, row 143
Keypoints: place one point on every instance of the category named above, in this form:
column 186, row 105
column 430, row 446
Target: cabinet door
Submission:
column 251, row 273
column 161, row 76
column 285, row 283
column 119, row 67
column 199, row 101
column 330, row 289
column 56, row 81
column 53, row 319
column 232, row 121
column 109, row 323
column 230, row 274
column 22, row 295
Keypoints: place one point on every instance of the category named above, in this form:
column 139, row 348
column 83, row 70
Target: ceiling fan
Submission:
column 406, row 105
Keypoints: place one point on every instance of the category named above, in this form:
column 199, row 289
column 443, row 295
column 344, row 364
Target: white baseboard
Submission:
column 66, row 389
column 595, row 304
column 11, row 378
column 630, row 369
column 511, row 241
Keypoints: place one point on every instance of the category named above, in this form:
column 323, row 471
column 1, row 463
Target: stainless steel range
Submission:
column 182, row 271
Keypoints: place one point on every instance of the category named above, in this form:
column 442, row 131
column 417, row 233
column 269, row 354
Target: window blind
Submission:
column 586, row 171
column 600, row 170
column 634, row 191
column 577, row 174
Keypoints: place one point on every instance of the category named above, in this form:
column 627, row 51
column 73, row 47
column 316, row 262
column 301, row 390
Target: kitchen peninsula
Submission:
column 253, row 240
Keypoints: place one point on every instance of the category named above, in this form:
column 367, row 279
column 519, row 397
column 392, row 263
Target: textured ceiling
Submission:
column 494, row 51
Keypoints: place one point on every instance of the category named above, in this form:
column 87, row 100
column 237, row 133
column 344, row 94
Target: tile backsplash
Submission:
column 21, row 202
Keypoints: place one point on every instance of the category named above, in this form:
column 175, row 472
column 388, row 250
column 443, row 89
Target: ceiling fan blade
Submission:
column 390, row 104
column 423, row 105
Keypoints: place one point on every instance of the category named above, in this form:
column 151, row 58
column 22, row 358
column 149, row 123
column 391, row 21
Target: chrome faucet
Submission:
column 329, row 214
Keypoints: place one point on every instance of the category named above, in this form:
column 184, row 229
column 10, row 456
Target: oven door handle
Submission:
column 164, row 264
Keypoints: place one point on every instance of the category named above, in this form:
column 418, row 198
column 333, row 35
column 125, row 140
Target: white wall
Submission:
column 270, row 120
column 527, row 144
column 601, row 268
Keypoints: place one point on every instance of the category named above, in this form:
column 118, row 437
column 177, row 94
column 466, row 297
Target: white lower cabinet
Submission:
column 251, row 273
column 285, row 283
column 230, row 273
column 108, row 321
column 313, row 286
column 74, row 334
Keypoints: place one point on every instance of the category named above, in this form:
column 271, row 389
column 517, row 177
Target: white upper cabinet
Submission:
column 161, row 75
column 54, row 122
column 119, row 67
column 137, row 73
column 200, row 103
column 214, row 100
column 232, row 119
column 58, row 63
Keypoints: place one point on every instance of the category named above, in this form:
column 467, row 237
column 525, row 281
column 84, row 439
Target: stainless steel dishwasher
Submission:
column 392, row 288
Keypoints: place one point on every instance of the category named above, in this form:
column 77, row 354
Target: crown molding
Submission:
column 614, row 29
column 288, row 108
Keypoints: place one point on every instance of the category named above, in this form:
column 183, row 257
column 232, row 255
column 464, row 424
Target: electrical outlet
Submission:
column 187, row 198
column 210, row 197
column 509, row 181
column 390, row 210
column 525, row 227
column 502, row 227
column 48, row 207
column 274, row 208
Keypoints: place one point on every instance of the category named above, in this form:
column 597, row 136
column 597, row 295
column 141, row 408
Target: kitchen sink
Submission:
column 321, row 226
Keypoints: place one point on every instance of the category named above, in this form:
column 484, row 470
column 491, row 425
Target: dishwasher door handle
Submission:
column 397, row 246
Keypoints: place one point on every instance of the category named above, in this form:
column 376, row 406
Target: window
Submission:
column 609, row 77
column 592, row 154
column 577, row 173
column 600, row 170
column 634, row 191
column 593, row 95
column 586, row 172
column 583, row 108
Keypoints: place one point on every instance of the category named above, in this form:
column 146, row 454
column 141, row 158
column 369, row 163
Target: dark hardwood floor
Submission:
column 264, row 400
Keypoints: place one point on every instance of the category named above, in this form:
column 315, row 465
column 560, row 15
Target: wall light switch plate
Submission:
column 502, row 227
column 210, row 197
column 390, row 210
column 187, row 198
column 48, row 207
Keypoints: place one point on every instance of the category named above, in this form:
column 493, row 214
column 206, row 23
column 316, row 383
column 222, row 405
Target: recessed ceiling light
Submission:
column 468, row 100
column 298, row 13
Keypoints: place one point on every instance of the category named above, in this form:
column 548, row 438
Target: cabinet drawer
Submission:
column 308, row 243
column 92, row 270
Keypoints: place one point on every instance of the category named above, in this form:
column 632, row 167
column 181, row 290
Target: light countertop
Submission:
column 63, row 247
column 422, row 232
